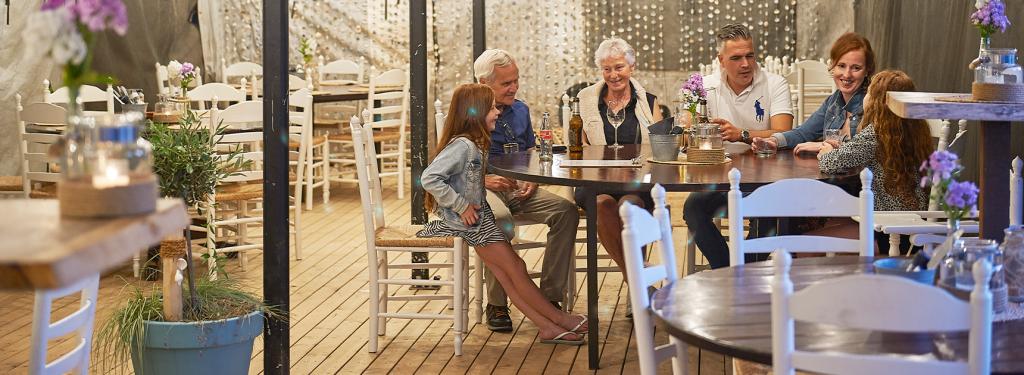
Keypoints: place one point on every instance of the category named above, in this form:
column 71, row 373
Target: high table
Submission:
column 755, row 171
column 728, row 311
column 41, row 250
column 994, row 146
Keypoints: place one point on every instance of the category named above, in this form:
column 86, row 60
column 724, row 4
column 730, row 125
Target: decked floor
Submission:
column 328, row 313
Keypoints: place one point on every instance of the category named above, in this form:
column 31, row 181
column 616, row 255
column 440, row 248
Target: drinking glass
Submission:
column 764, row 148
column 833, row 135
column 974, row 250
column 616, row 118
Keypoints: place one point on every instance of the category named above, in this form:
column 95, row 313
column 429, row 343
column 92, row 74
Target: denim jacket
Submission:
column 830, row 115
column 455, row 180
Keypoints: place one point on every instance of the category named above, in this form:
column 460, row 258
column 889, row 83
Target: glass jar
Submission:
column 121, row 154
column 975, row 249
column 79, row 147
column 708, row 136
column 1013, row 262
column 998, row 65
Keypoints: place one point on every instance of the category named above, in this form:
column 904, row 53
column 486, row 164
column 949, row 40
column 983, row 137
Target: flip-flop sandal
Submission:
column 559, row 339
column 576, row 329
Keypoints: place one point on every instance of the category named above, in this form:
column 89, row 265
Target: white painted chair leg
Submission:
column 894, row 244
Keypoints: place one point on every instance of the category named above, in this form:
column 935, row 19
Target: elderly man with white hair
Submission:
column 510, row 199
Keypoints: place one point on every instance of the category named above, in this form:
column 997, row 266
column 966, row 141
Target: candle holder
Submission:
column 707, row 146
column 109, row 169
column 998, row 78
column 168, row 109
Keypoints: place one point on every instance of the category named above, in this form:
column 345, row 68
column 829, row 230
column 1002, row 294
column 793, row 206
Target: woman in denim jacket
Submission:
column 853, row 63
column 454, row 181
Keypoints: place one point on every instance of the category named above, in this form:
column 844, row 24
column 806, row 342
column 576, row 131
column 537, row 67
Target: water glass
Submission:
column 833, row 135
column 764, row 148
column 510, row 147
column 975, row 249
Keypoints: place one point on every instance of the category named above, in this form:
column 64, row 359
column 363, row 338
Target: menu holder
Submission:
column 630, row 163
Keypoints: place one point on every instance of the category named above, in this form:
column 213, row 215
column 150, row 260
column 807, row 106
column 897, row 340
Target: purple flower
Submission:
column 961, row 195
column 941, row 165
column 187, row 68
column 99, row 15
column 52, row 4
column 990, row 17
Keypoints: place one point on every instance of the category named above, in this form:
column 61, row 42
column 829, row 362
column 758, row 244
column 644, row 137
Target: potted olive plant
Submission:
column 211, row 330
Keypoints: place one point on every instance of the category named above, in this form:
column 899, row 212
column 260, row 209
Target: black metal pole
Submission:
column 479, row 28
column 418, row 118
column 275, row 183
column 418, row 102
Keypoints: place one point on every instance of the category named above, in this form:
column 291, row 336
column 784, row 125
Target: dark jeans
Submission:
column 699, row 212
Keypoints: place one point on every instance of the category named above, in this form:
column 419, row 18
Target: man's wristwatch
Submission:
column 745, row 136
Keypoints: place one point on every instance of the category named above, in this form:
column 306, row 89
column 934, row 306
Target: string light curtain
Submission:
column 553, row 42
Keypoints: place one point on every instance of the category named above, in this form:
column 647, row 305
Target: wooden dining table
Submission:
column 589, row 182
column 42, row 250
column 728, row 311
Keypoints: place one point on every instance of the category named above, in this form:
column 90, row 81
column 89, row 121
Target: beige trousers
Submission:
column 561, row 217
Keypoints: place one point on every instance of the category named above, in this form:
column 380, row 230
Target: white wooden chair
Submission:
column 79, row 323
column 388, row 118
column 296, row 159
column 37, row 178
column 382, row 239
column 242, row 69
column 315, row 148
column 230, row 209
column 344, row 71
column 853, row 302
column 809, row 79
column 86, row 94
column 295, row 83
column 640, row 229
column 214, row 94
column 799, row 197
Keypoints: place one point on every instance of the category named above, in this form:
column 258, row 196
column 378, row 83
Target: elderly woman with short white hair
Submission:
column 616, row 92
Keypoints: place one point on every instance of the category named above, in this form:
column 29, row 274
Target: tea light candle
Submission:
column 705, row 144
column 111, row 173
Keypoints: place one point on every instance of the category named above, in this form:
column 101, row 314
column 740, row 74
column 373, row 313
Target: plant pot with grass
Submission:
column 185, row 325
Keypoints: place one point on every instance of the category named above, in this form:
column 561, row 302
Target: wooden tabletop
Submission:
column 755, row 171
column 728, row 311
column 341, row 93
column 41, row 250
column 922, row 105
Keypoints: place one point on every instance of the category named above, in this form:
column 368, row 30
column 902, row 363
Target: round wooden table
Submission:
column 728, row 311
column 755, row 171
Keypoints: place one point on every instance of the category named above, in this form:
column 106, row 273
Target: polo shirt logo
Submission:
column 758, row 110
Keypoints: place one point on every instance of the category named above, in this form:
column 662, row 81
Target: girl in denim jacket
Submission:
column 454, row 183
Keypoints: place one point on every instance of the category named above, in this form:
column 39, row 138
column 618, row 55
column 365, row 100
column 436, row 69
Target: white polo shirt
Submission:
column 752, row 108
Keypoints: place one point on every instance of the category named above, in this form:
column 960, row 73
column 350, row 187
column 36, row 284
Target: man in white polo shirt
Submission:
column 746, row 102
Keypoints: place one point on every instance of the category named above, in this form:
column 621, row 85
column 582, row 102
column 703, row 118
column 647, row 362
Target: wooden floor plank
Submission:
column 328, row 311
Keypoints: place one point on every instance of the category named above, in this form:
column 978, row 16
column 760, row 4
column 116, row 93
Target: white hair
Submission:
column 484, row 65
column 613, row 47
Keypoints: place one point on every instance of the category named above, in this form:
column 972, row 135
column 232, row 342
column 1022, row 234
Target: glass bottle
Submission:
column 79, row 147
column 953, row 256
column 1013, row 262
column 999, row 65
column 576, row 130
column 545, row 139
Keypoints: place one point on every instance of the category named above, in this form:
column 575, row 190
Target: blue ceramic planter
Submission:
column 220, row 347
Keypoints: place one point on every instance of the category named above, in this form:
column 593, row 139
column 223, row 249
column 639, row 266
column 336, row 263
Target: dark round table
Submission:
column 728, row 311
column 754, row 172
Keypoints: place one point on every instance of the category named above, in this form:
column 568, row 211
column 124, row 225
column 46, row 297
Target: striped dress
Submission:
column 484, row 232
